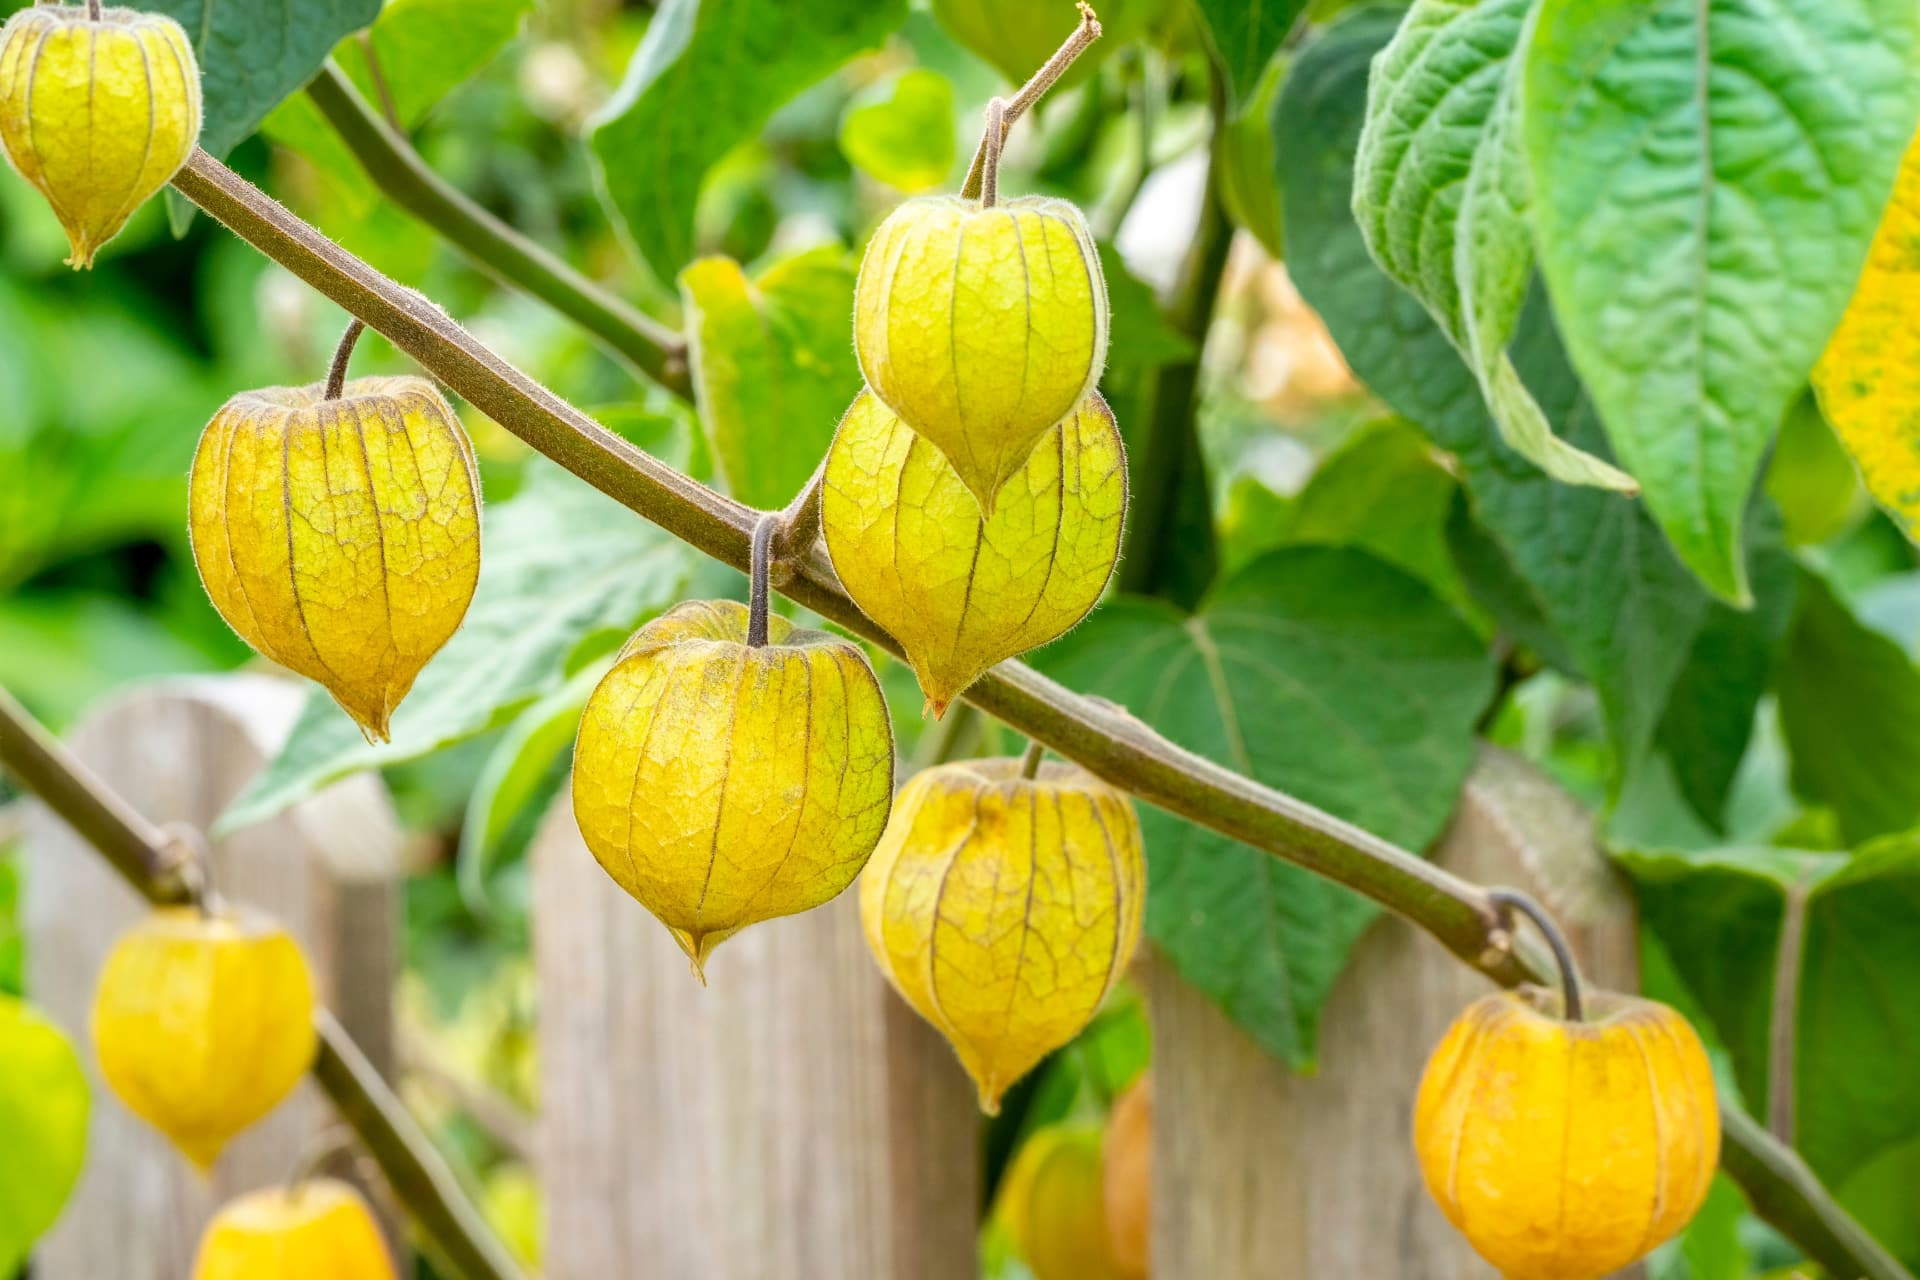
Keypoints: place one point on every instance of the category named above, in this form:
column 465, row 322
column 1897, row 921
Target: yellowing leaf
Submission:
column 340, row 538
column 981, row 327
column 97, row 114
column 771, row 366
column 960, row 591
column 722, row 784
column 43, row 1127
column 203, row 1024
column 1868, row 381
column 1004, row 908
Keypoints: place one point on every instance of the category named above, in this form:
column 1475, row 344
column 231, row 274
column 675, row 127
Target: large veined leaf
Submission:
column 707, row 76
column 1718, row 915
column 253, row 54
column 773, row 366
column 43, row 1127
column 1441, row 192
column 1868, row 380
column 559, row 563
column 1850, row 708
column 1324, row 672
column 1600, row 574
column 1707, row 176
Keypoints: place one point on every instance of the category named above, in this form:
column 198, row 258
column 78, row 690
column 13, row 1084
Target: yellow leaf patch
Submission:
column 722, row 784
column 1868, row 381
column 1005, row 908
column 961, row 591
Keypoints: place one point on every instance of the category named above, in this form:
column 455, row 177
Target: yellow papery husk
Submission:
column 1868, row 380
column 202, row 1024
column 1053, row 1208
column 320, row 1229
column 97, row 113
column 958, row 589
column 1005, row 908
column 982, row 327
column 722, row 784
column 341, row 539
column 1564, row 1150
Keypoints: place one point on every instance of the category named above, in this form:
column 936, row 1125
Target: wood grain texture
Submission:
column 1259, row 1174
column 790, row 1121
column 178, row 750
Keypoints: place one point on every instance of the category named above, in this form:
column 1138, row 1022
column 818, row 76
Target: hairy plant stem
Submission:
column 759, row 553
column 1011, row 109
column 148, row 859
column 1511, row 899
column 991, row 143
column 1030, row 762
column 400, row 174
column 1783, row 1020
column 337, row 372
column 1106, row 740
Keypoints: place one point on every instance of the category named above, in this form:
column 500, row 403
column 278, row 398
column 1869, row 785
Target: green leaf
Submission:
column 1244, row 35
column 1708, row 176
column 560, row 563
column 1850, row 708
column 1382, row 491
column 522, row 776
column 1623, row 609
column 1326, row 673
column 707, row 76
column 1709, row 717
column 1710, row 1248
column 902, row 133
column 252, row 55
column 773, row 366
column 1441, row 193
column 1018, row 36
column 1249, row 182
column 425, row 50
column 43, row 1127
column 1811, row 476
column 1718, row 913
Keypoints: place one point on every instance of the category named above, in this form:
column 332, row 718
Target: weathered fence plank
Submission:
column 178, row 751
column 791, row 1121
column 1259, row 1174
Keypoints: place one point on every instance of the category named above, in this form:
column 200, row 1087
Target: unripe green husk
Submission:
column 97, row 113
column 722, row 784
column 982, row 327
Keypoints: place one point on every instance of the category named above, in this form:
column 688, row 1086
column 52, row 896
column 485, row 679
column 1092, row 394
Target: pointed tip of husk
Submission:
column 699, row 948
column 990, row 1093
column 935, row 708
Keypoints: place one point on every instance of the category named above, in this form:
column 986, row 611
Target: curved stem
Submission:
column 337, row 372
column 799, row 524
column 1076, row 44
column 139, row 851
column 759, row 556
column 400, row 174
column 991, row 141
column 1510, row 899
column 329, row 1143
column 1030, row 762
column 1105, row 740
column 93, row 10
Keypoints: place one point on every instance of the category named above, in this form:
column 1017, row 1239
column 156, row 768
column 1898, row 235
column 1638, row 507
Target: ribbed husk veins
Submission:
column 320, row 1229
column 203, row 1024
column 340, row 538
column 1004, row 908
column 98, row 115
column 1566, row 1151
column 982, row 327
column 722, row 784
column 958, row 589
